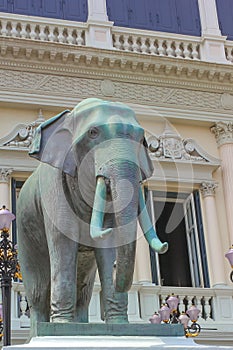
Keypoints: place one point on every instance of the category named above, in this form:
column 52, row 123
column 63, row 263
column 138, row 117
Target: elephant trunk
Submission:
column 127, row 199
column 124, row 193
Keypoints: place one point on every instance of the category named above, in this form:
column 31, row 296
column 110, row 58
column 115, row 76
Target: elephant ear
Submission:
column 145, row 161
column 52, row 143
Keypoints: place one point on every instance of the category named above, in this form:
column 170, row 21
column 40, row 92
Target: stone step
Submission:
column 113, row 343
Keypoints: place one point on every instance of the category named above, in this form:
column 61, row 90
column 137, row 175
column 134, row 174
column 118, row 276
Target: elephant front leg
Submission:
column 63, row 257
column 115, row 303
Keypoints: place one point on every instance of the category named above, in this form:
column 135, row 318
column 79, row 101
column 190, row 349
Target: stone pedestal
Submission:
column 62, row 336
column 112, row 342
column 102, row 329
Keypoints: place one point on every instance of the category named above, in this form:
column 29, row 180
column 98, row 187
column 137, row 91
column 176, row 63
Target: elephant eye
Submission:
column 93, row 133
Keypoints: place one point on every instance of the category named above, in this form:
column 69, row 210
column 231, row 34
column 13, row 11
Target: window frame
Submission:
column 199, row 237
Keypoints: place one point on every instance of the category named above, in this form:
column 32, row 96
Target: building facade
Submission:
column 171, row 61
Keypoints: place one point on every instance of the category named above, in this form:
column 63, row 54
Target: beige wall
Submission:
column 200, row 132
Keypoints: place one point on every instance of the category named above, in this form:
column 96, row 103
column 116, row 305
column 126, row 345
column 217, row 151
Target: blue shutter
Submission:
column 5, row 6
column 25, row 7
column 225, row 17
column 201, row 235
column 188, row 18
column 15, row 187
column 163, row 15
column 75, row 10
column 138, row 14
column 118, row 12
column 51, row 8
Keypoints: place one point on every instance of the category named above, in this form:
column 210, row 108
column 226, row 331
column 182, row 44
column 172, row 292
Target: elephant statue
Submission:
column 78, row 211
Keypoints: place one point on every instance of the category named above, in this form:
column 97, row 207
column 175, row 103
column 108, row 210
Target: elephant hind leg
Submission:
column 35, row 268
column 39, row 314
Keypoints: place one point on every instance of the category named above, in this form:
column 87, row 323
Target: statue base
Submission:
column 63, row 336
column 102, row 329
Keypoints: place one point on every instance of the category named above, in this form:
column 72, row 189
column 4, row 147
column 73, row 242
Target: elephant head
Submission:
column 103, row 142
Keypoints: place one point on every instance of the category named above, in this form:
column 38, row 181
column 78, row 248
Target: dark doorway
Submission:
column 170, row 225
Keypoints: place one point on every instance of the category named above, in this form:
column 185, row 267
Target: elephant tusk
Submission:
column 147, row 227
column 97, row 217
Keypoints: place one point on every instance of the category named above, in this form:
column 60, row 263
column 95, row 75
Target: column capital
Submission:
column 223, row 132
column 208, row 189
column 5, row 174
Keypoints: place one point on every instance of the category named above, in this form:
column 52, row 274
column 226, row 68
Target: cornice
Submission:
column 76, row 61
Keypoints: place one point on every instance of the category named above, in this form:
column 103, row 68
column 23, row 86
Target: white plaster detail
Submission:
column 94, row 311
column 213, row 234
column 213, row 43
column 208, row 16
column 208, row 188
column 212, row 49
column 99, row 27
column 223, row 132
column 63, row 88
column 226, row 154
column 5, row 174
column 97, row 10
column 171, row 145
column 227, row 101
column 107, row 87
column 152, row 43
column 21, row 136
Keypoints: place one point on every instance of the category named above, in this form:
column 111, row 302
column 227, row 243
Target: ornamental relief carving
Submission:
column 28, row 82
column 208, row 189
column 22, row 135
column 170, row 145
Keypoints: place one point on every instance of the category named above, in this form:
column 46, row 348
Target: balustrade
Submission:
column 123, row 39
column 156, row 44
column 65, row 32
column 60, row 32
column 202, row 298
column 229, row 51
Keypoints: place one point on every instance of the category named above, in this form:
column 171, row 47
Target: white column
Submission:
column 216, row 259
column 97, row 10
column 99, row 27
column 142, row 267
column 4, row 187
column 224, row 136
column 212, row 47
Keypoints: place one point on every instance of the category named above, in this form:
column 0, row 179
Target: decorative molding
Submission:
column 61, row 86
column 223, row 132
column 19, row 53
column 21, row 136
column 107, row 88
column 208, row 189
column 5, row 174
column 227, row 101
column 170, row 145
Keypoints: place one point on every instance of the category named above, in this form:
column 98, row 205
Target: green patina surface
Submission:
column 95, row 329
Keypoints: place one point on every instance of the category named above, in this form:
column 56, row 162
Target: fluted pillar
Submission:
column 224, row 136
column 142, row 266
column 216, row 260
column 4, row 187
